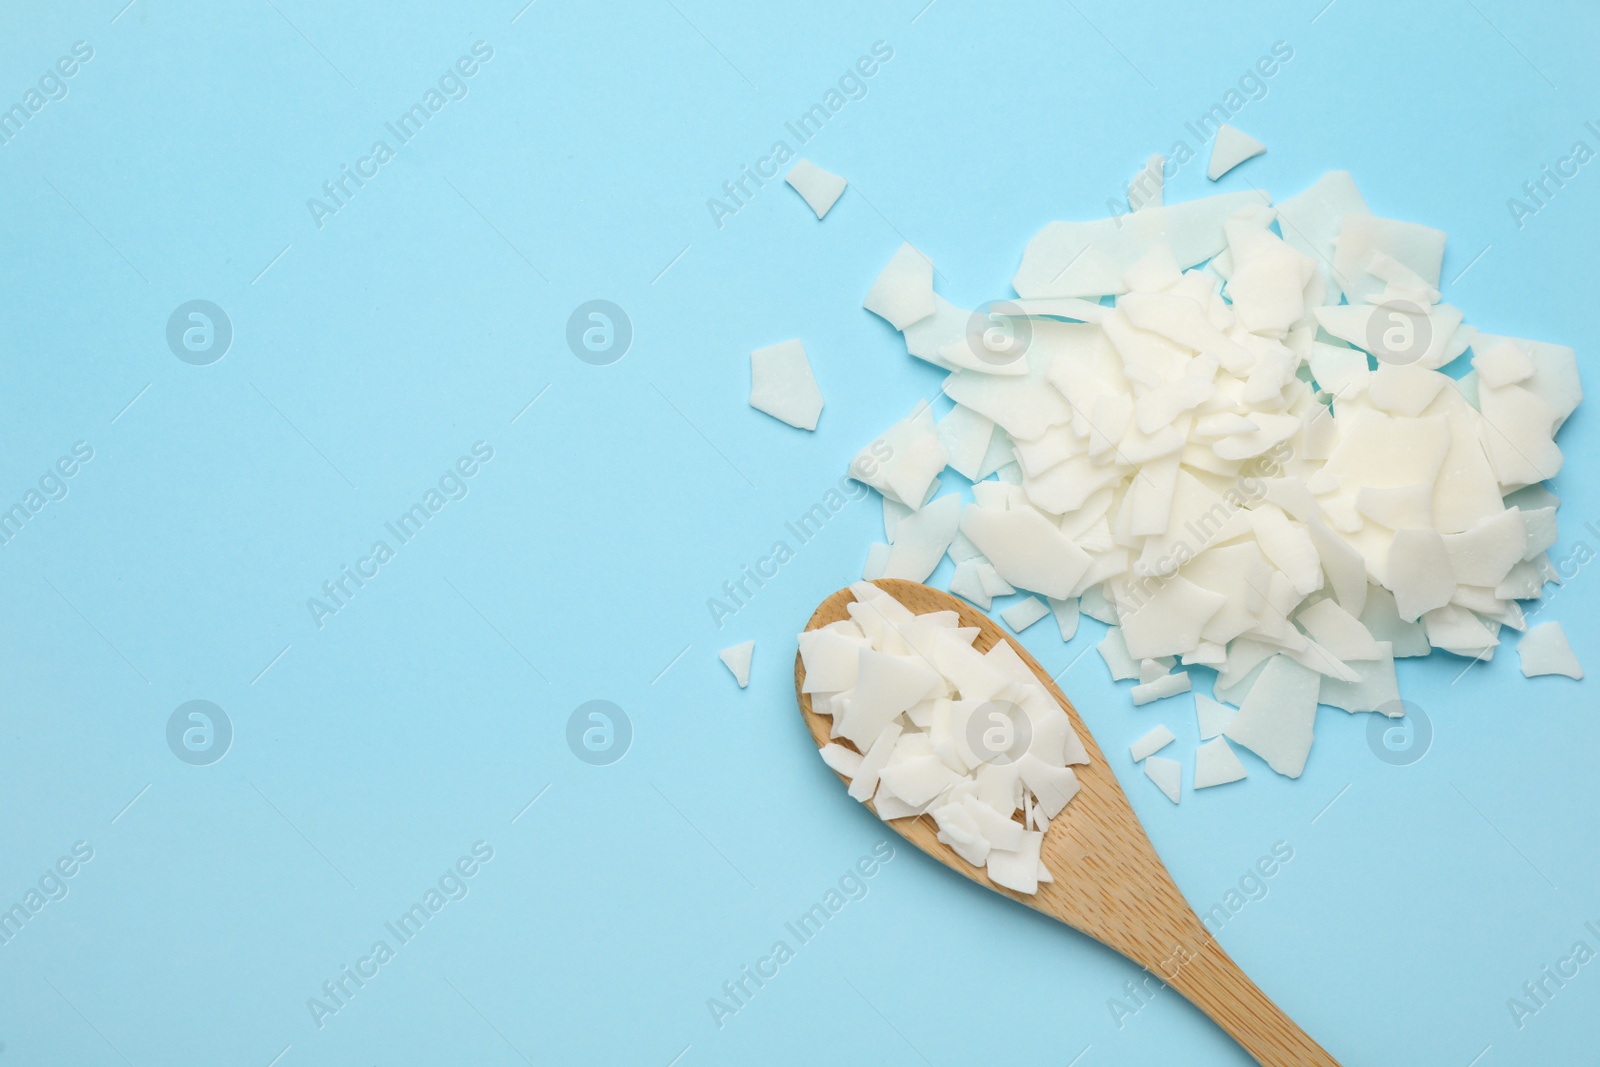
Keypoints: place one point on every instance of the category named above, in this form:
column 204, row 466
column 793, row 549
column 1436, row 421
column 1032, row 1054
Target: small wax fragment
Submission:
column 737, row 660
column 817, row 187
column 781, row 385
column 1150, row 743
column 1544, row 650
column 1167, row 774
column 1229, row 149
column 1215, row 763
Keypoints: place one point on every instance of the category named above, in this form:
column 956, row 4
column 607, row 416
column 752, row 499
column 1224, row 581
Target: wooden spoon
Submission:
column 1109, row 882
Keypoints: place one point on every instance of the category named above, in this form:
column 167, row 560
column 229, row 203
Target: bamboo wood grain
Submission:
column 1109, row 882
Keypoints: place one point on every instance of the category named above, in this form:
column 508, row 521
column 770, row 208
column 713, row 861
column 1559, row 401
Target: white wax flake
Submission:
column 1215, row 763
column 1288, row 546
column 959, row 830
column 1544, row 650
column 820, row 189
column 968, row 582
column 1170, row 621
column 1167, row 774
column 1338, row 631
column 1502, row 364
column 1089, row 258
column 903, row 293
column 1555, row 375
column 908, row 710
column 1169, row 685
column 921, row 538
column 1377, row 689
column 893, row 512
column 847, row 761
column 1019, row 870
column 832, row 660
column 886, row 685
column 996, row 828
column 1240, row 437
column 1027, row 549
column 917, row 780
column 1276, row 720
column 1381, row 615
column 1066, row 613
column 1229, row 149
column 993, row 584
column 1052, row 787
column 1024, row 613
column 737, row 659
column 904, row 461
column 1542, row 531
column 1152, row 669
column 965, row 435
column 1404, row 389
column 865, row 781
column 1114, row 651
column 1485, row 554
column 1154, row 741
column 1212, row 716
column 1418, row 247
column 1518, row 427
column 1419, row 570
column 782, row 386
column 1311, row 221
column 889, row 806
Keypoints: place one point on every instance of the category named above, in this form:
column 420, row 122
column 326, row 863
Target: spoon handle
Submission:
column 1216, row 985
column 1197, row 966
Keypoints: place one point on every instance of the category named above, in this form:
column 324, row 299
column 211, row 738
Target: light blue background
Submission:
column 370, row 353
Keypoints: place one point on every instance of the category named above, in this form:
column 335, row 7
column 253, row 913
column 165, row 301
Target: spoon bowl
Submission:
column 1108, row 881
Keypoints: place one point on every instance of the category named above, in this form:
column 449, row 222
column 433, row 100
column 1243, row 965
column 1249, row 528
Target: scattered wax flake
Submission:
column 1216, row 764
column 847, row 761
column 1544, row 650
column 1229, row 149
column 1276, row 719
column 1212, row 716
column 1167, row 774
column 907, row 711
column 1166, row 686
column 903, row 293
column 921, row 538
column 817, row 187
column 1154, row 741
column 1024, row 613
column 737, row 660
column 1260, row 465
column 1066, row 613
column 1114, row 651
column 782, row 386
